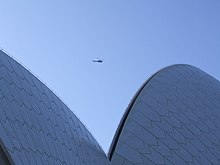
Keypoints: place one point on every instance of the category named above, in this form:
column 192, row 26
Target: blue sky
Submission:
column 57, row 40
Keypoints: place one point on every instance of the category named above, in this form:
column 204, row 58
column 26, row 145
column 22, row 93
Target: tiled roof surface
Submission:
column 174, row 120
column 36, row 127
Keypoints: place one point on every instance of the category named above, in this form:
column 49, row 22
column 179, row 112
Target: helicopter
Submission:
column 98, row 61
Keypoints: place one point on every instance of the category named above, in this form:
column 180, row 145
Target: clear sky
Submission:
column 58, row 39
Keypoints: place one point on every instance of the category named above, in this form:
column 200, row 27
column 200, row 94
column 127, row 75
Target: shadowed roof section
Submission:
column 123, row 120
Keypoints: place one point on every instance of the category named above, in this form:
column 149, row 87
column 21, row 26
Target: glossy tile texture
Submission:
column 36, row 127
column 173, row 120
